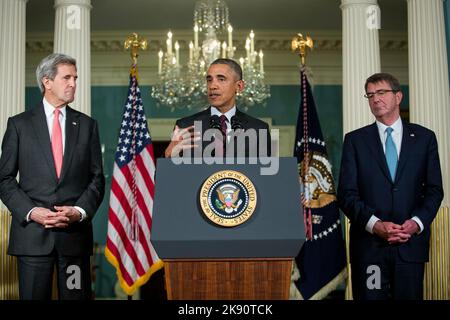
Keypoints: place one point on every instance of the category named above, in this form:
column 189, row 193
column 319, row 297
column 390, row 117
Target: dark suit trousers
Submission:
column 36, row 277
column 398, row 280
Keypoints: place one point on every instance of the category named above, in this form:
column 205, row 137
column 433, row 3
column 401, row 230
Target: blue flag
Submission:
column 321, row 261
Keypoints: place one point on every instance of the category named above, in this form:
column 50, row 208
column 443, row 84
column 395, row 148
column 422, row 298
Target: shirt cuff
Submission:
column 371, row 223
column 83, row 213
column 27, row 218
column 421, row 227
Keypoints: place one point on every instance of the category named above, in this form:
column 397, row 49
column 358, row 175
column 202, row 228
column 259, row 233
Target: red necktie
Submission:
column 223, row 128
column 57, row 147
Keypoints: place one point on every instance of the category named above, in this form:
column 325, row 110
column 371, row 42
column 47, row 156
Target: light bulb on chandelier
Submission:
column 185, row 88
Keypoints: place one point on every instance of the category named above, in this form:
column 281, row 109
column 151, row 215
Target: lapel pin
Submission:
column 74, row 123
column 411, row 135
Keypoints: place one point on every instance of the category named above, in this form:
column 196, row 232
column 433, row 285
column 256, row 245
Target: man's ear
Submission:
column 240, row 86
column 399, row 97
column 46, row 82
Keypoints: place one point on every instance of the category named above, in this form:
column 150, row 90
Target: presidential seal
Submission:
column 228, row 198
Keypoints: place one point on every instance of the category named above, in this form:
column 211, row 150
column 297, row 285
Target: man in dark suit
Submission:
column 240, row 135
column 390, row 187
column 56, row 151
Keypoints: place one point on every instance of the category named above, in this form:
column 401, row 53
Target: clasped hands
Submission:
column 63, row 216
column 395, row 233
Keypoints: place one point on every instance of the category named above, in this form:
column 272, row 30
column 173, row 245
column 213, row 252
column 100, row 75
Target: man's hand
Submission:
column 391, row 232
column 46, row 217
column 410, row 226
column 70, row 212
column 181, row 139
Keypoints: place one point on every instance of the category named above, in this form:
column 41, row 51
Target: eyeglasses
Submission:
column 380, row 93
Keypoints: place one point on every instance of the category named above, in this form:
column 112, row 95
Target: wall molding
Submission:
column 111, row 41
column 110, row 63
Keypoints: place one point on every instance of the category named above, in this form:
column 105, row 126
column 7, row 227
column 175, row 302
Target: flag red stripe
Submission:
column 145, row 247
column 113, row 249
column 123, row 200
column 139, row 198
column 145, row 175
column 126, row 242
column 118, row 192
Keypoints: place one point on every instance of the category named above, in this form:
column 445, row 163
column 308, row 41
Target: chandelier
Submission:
column 185, row 87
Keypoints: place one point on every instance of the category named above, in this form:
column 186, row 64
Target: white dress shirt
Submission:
column 50, row 114
column 229, row 114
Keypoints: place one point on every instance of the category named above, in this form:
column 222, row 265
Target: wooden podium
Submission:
column 234, row 279
column 205, row 261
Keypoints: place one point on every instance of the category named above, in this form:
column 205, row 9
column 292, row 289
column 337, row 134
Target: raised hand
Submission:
column 182, row 139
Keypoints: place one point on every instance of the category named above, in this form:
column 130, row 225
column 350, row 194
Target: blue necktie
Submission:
column 391, row 153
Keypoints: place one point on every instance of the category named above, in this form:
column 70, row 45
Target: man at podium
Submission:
column 234, row 133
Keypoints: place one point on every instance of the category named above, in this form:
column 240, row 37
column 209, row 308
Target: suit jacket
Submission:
column 26, row 150
column 366, row 189
column 246, row 121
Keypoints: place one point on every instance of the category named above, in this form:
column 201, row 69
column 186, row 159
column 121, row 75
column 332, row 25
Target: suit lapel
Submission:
column 406, row 146
column 204, row 117
column 39, row 123
column 242, row 118
column 72, row 129
column 376, row 148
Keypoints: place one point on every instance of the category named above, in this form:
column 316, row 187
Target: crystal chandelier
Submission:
column 185, row 87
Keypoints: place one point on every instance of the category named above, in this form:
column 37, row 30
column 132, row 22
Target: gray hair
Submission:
column 48, row 67
column 383, row 76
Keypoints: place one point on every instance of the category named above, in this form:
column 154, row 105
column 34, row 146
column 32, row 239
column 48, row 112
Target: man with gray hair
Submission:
column 55, row 150
column 390, row 188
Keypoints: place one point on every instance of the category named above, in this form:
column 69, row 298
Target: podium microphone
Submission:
column 235, row 123
column 214, row 122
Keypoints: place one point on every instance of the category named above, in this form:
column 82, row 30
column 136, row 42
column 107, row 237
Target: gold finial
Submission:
column 135, row 43
column 300, row 44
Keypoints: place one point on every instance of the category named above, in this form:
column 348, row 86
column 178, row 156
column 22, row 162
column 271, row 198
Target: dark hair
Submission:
column 48, row 67
column 232, row 64
column 389, row 78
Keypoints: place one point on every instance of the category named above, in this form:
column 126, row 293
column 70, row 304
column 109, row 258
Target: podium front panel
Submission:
column 181, row 231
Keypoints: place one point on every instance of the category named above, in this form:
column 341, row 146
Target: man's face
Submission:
column 61, row 90
column 384, row 104
column 222, row 84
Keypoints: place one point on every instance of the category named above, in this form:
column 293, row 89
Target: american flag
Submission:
column 128, row 245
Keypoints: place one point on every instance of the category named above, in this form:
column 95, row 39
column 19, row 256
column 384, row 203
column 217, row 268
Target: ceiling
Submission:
column 301, row 15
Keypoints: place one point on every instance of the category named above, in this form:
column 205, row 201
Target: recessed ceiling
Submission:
column 301, row 15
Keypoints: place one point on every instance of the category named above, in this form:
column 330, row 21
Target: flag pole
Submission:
column 324, row 244
column 301, row 44
column 133, row 43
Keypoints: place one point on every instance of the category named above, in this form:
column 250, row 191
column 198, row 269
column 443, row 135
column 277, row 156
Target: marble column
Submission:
column 12, row 102
column 428, row 76
column 361, row 58
column 73, row 37
column 12, row 59
column 430, row 107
